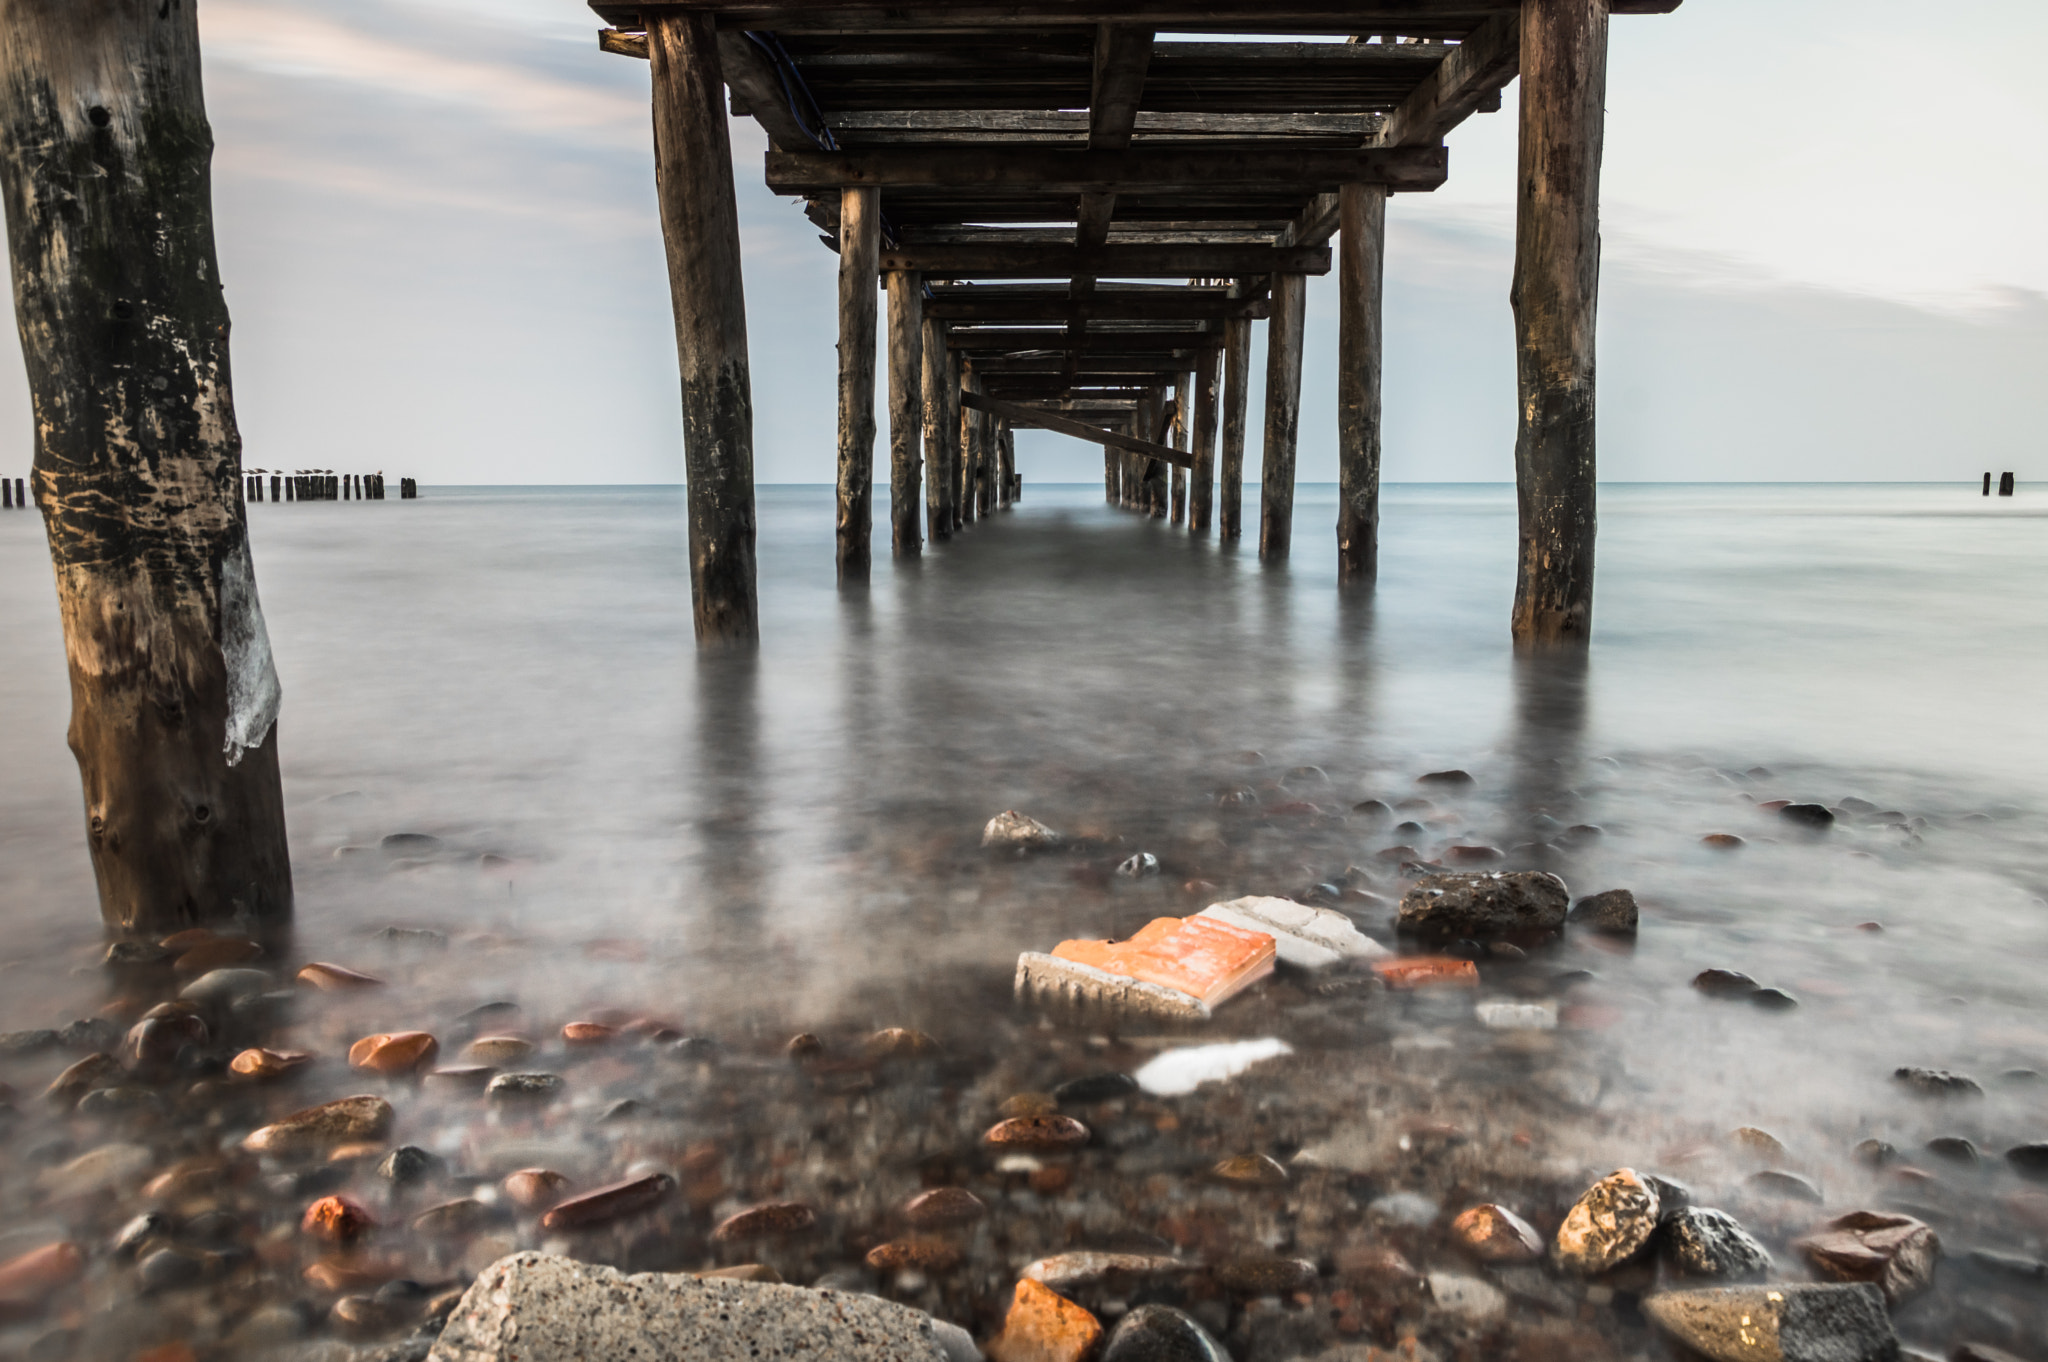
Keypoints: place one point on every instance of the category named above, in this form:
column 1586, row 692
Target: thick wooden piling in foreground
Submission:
column 1361, row 255
column 906, row 410
column 1237, row 373
column 860, row 246
column 104, row 151
column 1283, row 415
column 701, row 230
column 1556, row 295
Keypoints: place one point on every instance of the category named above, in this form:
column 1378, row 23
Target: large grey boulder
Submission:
column 1788, row 1323
column 536, row 1307
column 1485, row 904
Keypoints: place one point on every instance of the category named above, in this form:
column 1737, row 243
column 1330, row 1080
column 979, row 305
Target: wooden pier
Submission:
column 951, row 152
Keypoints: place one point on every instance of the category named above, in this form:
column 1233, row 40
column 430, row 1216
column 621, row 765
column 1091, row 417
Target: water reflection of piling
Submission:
column 1550, row 726
column 727, row 818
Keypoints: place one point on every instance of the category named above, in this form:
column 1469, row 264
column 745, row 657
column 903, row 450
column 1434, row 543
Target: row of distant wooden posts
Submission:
column 2004, row 484
column 323, row 486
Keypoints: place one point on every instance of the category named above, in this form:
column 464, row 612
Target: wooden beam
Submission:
column 752, row 78
column 1361, row 258
column 1276, row 166
column 1018, row 414
column 1473, row 72
column 1283, row 414
column 700, row 229
column 860, row 242
column 1098, row 307
column 138, row 474
column 1075, row 123
column 1016, row 342
column 1421, row 18
column 1237, row 372
column 1555, row 293
column 1065, row 262
column 906, row 411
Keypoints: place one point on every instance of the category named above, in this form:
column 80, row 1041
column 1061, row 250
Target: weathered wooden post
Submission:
column 906, row 409
column 860, row 246
column 1987, row 484
column 700, row 228
column 1237, row 374
column 104, row 163
column 1202, row 476
column 2005, row 483
column 1361, row 254
column 6, row 494
column 941, row 429
column 1556, row 296
column 974, row 479
column 1111, row 491
column 1283, row 414
column 1183, row 404
column 1008, row 449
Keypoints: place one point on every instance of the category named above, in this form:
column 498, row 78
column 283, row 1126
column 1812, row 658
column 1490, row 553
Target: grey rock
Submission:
column 1787, row 1323
column 1160, row 1333
column 1773, row 1182
column 225, row 987
column 1954, row 1149
column 524, row 1087
column 1702, row 1242
column 1138, row 866
column 165, row 1268
column 406, row 1164
column 410, row 844
column 2029, row 1160
column 27, row 1042
column 1772, row 999
column 1014, row 831
column 89, row 1033
column 2009, row 1265
column 1484, row 904
column 955, row 1342
column 539, row 1308
column 1613, row 912
column 1808, row 815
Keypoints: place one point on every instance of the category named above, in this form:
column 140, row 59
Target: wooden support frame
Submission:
column 1115, row 261
column 1202, row 462
column 701, row 229
column 1556, row 299
column 906, row 411
column 1283, row 415
column 1198, row 305
column 1276, row 165
column 1237, row 374
column 1019, row 414
column 1361, row 257
column 860, row 242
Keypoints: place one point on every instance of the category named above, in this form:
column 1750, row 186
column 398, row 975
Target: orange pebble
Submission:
column 334, row 978
column 397, row 1052
column 169, row 1352
column 260, row 1065
column 588, row 1033
column 29, row 1276
column 336, row 1219
column 1425, row 971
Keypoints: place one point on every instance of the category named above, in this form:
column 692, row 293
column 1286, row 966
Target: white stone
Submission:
column 1018, row 830
column 1466, row 1297
column 1178, row 1072
column 1503, row 1016
column 1305, row 937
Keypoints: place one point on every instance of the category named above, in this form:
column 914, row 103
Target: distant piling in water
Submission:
column 313, row 485
column 1987, row 484
column 2005, row 484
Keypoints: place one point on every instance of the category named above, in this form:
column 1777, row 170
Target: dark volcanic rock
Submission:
column 1160, row 1333
column 1938, row 1082
column 1613, row 911
column 1701, row 1242
column 1808, row 815
column 1785, row 1323
column 1484, row 904
column 1724, row 983
column 2029, row 1160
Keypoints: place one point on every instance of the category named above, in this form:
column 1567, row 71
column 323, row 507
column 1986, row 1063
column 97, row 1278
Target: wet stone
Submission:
column 2029, row 1160
column 1468, row 1298
column 1895, row 1253
column 1724, row 983
column 452, row 1219
column 1789, row 1186
column 1784, row 1323
column 899, row 1043
column 1160, row 1333
column 1091, row 1088
column 223, row 988
column 1069, row 1272
column 535, row 1189
column 1049, row 1132
column 1610, row 1224
column 588, row 1033
column 772, row 1220
column 943, row 1208
column 170, row 1267
column 336, row 1220
column 1772, row 1000
column 613, row 1202
column 1138, row 866
column 408, row 1164
column 13, row 1043
column 335, row 978
column 1406, row 1210
column 917, row 1254
column 134, row 955
column 1808, row 815
column 1484, row 904
column 1495, row 1234
column 394, row 1053
column 524, row 1087
column 94, row 1071
column 1042, row 1326
column 1875, row 1153
column 318, row 1130
column 1264, row 1275
column 1014, row 831
column 1613, row 911
column 1938, row 1082
column 139, row 1231
column 1702, row 1242
column 1954, row 1149
column 258, row 1065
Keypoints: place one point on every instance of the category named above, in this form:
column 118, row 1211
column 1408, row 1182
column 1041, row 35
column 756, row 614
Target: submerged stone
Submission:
column 1702, row 1242
column 1613, row 911
column 1938, row 1082
column 1610, row 1223
column 1896, row 1253
column 1011, row 830
column 1484, row 904
column 1043, row 1326
column 1786, row 1323
column 1160, row 1333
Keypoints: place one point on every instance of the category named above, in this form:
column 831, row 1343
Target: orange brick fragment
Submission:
column 1200, row 956
column 1427, row 971
column 1044, row 1326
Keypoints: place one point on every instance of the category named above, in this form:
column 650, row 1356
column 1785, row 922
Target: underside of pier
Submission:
column 1078, row 210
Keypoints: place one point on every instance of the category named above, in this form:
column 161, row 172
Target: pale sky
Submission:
column 1826, row 229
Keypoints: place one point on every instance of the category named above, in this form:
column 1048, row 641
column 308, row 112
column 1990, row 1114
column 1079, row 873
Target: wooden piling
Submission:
column 1556, row 296
column 1008, row 453
column 1361, row 256
column 860, row 246
column 1237, row 373
column 1283, row 414
column 939, row 434
column 1987, row 484
column 906, row 410
column 2005, row 484
column 700, row 229
column 1110, row 489
column 1183, row 418
column 973, row 436
column 104, row 151
column 6, row 494
column 1202, row 472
